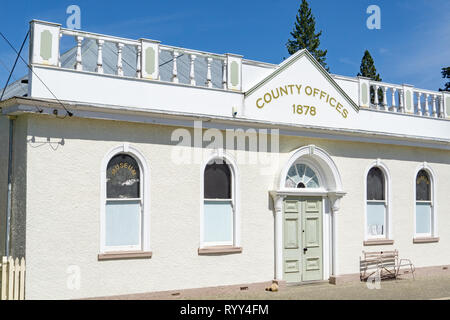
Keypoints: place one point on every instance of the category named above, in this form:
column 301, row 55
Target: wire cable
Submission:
column 31, row 69
column 14, row 66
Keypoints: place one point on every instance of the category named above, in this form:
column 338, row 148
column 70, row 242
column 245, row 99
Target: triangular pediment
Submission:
column 295, row 62
column 301, row 92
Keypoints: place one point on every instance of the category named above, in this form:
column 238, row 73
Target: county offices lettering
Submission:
column 300, row 90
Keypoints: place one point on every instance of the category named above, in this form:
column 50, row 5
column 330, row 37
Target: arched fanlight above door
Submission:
column 301, row 175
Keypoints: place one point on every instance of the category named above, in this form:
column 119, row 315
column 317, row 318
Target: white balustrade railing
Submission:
column 193, row 55
column 175, row 52
column 223, row 71
column 393, row 98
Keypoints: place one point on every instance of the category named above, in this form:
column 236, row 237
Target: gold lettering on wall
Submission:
column 298, row 90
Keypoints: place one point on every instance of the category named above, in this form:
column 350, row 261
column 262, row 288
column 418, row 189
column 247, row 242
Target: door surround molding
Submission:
column 331, row 193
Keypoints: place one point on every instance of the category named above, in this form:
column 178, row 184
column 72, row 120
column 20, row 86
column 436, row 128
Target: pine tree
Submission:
column 446, row 75
column 368, row 70
column 304, row 35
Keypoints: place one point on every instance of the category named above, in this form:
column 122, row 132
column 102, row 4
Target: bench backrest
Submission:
column 375, row 259
column 383, row 255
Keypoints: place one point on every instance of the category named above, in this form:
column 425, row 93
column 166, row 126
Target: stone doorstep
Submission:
column 197, row 292
column 421, row 272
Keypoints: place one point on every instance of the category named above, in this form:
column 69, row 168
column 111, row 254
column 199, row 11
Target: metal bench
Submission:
column 386, row 263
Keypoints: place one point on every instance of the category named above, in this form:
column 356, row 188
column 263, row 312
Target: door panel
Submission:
column 291, row 241
column 312, row 239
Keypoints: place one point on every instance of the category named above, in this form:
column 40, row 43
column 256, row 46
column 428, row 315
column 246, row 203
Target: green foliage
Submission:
column 446, row 75
column 368, row 70
column 304, row 35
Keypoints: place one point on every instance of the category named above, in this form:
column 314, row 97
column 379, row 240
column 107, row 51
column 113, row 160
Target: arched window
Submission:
column 376, row 211
column 301, row 176
column 123, row 212
column 424, row 205
column 218, row 204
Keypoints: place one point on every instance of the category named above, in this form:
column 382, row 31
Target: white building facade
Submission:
column 140, row 167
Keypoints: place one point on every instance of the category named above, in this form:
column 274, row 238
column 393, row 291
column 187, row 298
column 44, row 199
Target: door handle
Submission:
column 305, row 249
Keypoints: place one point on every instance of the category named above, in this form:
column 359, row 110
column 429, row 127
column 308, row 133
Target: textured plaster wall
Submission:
column 63, row 217
column 63, row 211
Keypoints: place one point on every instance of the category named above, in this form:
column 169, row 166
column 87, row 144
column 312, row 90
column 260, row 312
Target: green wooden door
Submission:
column 291, row 241
column 302, row 239
column 312, row 239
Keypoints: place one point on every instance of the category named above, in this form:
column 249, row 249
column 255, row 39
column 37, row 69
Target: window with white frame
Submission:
column 376, row 217
column 123, row 207
column 218, row 204
column 424, row 204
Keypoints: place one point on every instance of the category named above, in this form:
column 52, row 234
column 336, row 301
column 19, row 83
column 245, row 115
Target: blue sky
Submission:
column 411, row 47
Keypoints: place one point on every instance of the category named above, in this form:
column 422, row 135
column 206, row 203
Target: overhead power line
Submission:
column 31, row 69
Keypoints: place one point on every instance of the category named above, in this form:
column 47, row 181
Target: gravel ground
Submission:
column 421, row 288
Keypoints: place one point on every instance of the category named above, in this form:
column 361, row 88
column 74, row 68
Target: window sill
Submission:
column 378, row 242
column 426, row 240
column 219, row 250
column 125, row 255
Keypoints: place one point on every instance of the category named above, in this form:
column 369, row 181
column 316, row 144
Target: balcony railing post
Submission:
column 224, row 74
column 175, row 55
column 384, row 102
column 192, row 69
column 433, row 106
column 208, row 72
column 426, row 112
column 419, row 103
column 408, row 98
column 392, row 108
column 44, row 43
column 234, row 72
column 150, row 58
column 364, row 92
column 59, row 52
column 79, row 62
column 138, row 61
column 401, row 105
column 375, row 101
column 99, row 68
column 119, row 59
column 446, row 104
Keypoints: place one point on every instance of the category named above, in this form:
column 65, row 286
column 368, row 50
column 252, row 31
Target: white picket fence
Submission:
column 12, row 272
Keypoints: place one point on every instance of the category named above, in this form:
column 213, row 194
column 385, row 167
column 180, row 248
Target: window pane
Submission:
column 423, row 190
column 122, row 177
column 122, row 223
column 301, row 169
column 423, row 218
column 218, row 221
column 217, row 181
column 375, row 219
column 301, row 176
column 375, row 184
